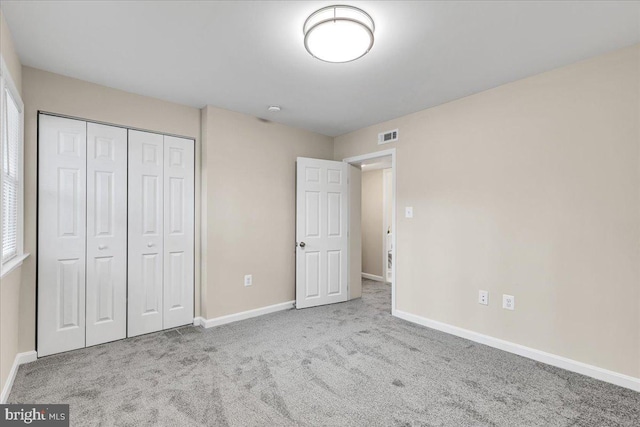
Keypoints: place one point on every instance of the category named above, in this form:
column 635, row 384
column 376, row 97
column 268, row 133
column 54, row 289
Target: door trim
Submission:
column 374, row 155
column 386, row 222
column 99, row 122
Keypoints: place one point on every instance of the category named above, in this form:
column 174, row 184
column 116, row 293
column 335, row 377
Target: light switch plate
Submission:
column 408, row 212
column 248, row 280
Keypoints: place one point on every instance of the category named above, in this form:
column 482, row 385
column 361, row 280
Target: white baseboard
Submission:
column 612, row 377
column 230, row 318
column 20, row 359
column 373, row 277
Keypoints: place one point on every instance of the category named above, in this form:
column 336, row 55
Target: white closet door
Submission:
column 61, row 234
column 178, row 231
column 106, row 233
column 146, row 163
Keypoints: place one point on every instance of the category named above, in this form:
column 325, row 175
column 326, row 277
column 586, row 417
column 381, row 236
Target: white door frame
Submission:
column 390, row 152
column 386, row 223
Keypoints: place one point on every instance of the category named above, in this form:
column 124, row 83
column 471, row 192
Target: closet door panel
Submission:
column 61, row 234
column 106, row 233
column 146, row 219
column 178, row 231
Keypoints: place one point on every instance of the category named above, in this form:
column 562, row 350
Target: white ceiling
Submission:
column 245, row 56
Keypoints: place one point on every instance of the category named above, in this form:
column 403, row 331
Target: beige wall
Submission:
column 530, row 189
column 250, row 172
column 10, row 284
column 9, row 54
column 372, row 222
column 9, row 320
column 63, row 95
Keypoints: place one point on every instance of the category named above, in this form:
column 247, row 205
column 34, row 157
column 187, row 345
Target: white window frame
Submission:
column 7, row 85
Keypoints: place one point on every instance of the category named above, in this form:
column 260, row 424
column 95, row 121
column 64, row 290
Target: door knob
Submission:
column 101, row 247
column 150, row 245
column 303, row 244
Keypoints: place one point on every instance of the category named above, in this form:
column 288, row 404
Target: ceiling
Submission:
column 245, row 56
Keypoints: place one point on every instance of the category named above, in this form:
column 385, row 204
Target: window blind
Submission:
column 10, row 177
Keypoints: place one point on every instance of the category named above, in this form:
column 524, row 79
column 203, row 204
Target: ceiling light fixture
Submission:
column 338, row 33
column 274, row 108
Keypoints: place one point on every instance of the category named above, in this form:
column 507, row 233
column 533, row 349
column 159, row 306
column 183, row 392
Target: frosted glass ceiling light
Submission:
column 338, row 33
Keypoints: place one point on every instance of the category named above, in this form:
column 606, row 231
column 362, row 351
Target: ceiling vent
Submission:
column 387, row 137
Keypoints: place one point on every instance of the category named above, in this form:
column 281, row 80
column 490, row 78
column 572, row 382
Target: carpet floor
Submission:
column 348, row 364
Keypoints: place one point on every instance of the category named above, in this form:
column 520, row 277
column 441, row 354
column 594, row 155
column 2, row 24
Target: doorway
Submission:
column 328, row 228
column 377, row 220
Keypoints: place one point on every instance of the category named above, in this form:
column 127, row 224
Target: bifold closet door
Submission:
column 161, row 232
column 106, row 233
column 61, row 234
column 178, row 231
column 146, row 229
column 115, row 233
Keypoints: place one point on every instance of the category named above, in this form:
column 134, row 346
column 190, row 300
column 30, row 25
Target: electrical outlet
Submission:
column 248, row 280
column 508, row 302
column 483, row 297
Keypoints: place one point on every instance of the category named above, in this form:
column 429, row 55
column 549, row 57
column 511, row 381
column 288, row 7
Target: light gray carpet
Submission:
column 349, row 364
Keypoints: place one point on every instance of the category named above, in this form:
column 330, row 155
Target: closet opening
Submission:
column 116, row 231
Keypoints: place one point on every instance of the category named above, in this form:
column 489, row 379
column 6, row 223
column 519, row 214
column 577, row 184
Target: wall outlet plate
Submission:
column 248, row 280
column 508, row 302
column 408, row 212
column 483, row 297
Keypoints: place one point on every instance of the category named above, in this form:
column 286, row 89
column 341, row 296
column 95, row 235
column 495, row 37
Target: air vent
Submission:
column 387, row 137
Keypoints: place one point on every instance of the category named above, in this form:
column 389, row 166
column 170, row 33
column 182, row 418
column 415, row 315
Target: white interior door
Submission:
column 146, row 230
column 106, row 233
column 61, row 234
column 178, row 231
column 321, row 232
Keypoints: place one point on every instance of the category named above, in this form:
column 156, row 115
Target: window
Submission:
column 11, row 146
